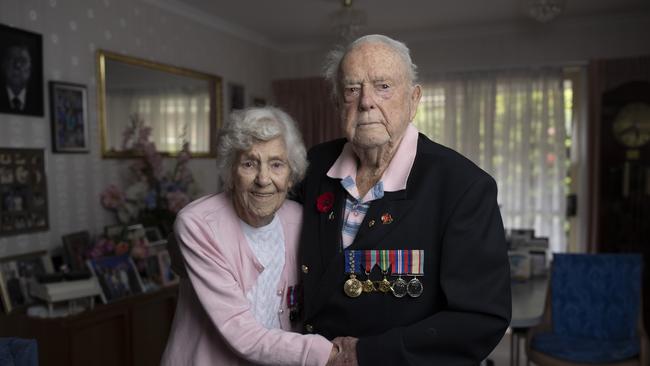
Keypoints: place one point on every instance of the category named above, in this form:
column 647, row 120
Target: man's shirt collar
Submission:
column 396, row 174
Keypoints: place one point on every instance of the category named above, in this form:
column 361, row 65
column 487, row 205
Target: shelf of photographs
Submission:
column 23, row 191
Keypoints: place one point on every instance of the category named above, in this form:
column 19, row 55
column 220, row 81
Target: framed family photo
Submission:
column 16, row 275
column 117, row 276
column 21, row 72
column 69, row 117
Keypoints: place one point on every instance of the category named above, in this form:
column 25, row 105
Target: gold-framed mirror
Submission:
column 180, row 105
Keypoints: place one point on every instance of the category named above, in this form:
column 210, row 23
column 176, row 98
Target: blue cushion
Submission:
column 596, row 296
column 585, row 350
column 18, row 352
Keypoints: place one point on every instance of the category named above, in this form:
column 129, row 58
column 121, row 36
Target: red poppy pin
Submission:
column 386, row 218
column 325, row 202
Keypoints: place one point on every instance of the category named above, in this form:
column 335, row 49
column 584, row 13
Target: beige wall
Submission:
column 72, row 30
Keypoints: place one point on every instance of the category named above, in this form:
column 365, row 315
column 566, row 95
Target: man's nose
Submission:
column 367, row 99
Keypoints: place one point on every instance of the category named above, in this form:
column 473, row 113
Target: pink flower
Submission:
column 112, row 197
column 176, row 201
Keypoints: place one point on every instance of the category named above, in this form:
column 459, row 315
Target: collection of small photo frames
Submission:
column 23, row 191
column 118, row 276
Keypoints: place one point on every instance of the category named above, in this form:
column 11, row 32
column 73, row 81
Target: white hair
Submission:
column 245, row 127
column 332, row 67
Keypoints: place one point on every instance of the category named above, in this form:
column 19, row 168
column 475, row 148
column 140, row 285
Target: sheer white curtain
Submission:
column 511, row 124
column 175, row 117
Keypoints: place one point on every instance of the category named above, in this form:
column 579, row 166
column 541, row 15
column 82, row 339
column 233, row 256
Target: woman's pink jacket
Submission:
column 213, row 324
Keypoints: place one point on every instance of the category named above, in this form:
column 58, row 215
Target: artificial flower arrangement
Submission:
column 152, row 197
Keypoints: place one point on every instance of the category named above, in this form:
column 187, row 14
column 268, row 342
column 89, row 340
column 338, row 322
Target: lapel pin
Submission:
column 371, row 223
column 386, row 218
column 331, row 216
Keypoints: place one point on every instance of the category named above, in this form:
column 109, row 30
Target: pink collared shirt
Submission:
column 394, row 179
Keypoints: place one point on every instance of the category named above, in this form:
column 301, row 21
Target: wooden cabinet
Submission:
column 132, row 331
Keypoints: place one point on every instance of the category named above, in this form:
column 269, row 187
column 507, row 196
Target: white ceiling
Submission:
column 287, row 23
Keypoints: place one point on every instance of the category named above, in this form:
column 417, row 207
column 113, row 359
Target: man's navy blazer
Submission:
column 448, row 209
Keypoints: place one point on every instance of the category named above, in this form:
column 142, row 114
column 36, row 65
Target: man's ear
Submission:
column 416, row 94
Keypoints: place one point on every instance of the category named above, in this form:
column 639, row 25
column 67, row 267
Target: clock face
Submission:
column 632, row 125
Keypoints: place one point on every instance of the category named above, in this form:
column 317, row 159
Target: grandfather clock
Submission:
column 624, row 199
column 625, row 169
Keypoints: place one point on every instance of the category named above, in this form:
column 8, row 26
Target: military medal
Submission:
column 293, row 294
column 352, row 286
column 400, row 261
column 399, row 287
column 414, row 287
column 368, row 286
column 384, row 265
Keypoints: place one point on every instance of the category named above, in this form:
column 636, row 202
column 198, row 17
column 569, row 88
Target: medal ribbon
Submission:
column 417, row 262
column 384, row 257
column 354, row 260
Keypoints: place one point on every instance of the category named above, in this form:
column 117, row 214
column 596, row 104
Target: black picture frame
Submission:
column 69, row 117
column 237, row 96
column 75, row 247
column 21, row 72
column 23, row 191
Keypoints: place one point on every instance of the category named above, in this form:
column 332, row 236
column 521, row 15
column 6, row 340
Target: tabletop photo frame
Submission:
column 69, row 117
column 21, row 79
column 117, row 276
column 16, row 274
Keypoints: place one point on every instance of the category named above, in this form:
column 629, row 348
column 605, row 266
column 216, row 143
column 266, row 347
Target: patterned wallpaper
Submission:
column 72, row 31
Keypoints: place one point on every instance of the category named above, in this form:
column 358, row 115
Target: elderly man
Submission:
column 15, row 93
column 402, row 245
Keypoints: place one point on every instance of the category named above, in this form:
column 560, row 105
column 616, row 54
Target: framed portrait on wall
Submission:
column 237, row 98
column 16, row 275
column 21, row 72
column 69, row 117
column 23, row 191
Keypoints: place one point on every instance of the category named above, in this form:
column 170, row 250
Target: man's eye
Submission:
column 352, row 90
column 248, row 164
column 277, row 165
column 384, row 86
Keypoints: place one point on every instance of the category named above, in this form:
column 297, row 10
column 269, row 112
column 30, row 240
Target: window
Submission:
column 516, row 125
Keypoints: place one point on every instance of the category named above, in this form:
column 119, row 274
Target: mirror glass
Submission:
column 179, row 105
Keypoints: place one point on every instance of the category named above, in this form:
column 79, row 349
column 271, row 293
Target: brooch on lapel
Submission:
column 325, row 202
column 386, row 218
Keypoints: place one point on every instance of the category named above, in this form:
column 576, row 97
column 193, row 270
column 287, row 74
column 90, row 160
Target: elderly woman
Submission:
column 239, row 249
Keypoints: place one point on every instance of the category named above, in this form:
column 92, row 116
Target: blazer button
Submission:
column 305, row 269
column 280, row 311
column 309, row 328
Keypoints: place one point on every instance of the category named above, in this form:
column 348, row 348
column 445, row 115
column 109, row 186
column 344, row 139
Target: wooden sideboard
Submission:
column 132, row 331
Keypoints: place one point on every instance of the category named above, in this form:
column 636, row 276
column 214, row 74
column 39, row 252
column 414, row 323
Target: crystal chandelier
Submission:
column 348, row 22
column 545, row 10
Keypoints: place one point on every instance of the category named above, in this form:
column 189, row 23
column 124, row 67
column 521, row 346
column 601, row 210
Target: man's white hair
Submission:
column 332, row 67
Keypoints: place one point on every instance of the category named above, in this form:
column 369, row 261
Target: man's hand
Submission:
column 347, row 352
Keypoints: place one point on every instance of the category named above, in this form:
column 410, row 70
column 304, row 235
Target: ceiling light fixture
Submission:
column 347, row 22
column 545, row 10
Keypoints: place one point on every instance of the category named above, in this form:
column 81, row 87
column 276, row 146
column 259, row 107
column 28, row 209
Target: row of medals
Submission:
column 353, row 287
